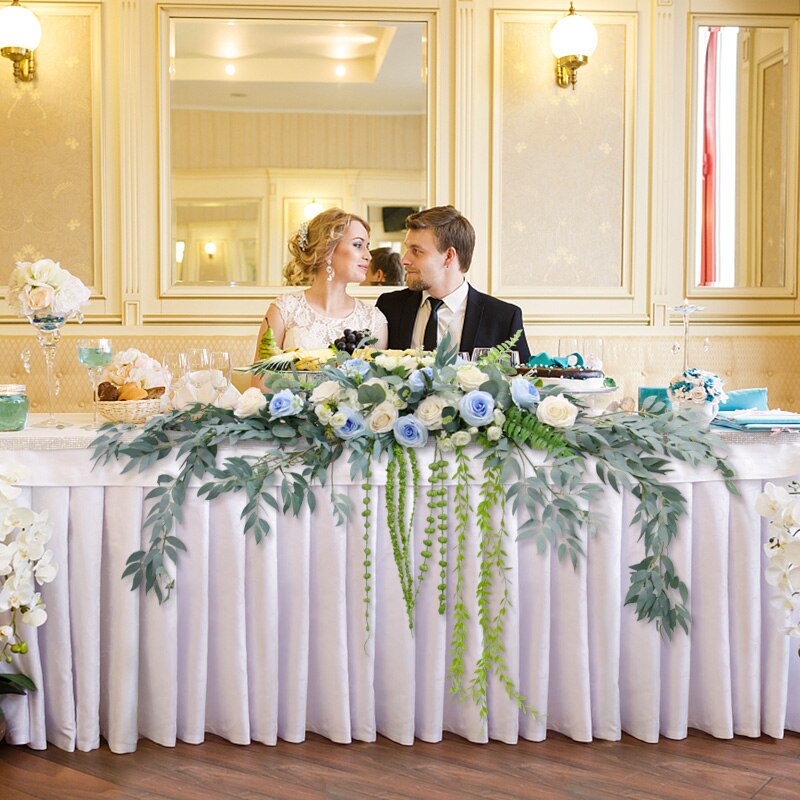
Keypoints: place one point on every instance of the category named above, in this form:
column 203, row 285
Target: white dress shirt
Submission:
column 450, row 317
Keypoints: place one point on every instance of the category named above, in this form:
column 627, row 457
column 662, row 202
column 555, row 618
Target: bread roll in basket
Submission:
column 133, row 411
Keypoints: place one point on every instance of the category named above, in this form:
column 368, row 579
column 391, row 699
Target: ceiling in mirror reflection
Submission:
column 271, row 114
column 274, row 65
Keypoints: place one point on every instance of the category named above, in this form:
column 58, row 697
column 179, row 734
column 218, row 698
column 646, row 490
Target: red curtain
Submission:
column 708, row 260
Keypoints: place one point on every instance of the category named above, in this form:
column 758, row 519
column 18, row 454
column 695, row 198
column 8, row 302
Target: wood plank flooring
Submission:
column 696, row 767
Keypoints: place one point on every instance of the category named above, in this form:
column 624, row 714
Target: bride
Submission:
column 328, row 252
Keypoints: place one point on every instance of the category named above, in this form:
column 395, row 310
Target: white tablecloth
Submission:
column 268, row 641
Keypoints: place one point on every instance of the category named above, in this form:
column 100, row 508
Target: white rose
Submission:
column 324, row 414
column 557, row 411
column 250, row 403
column 493, row 433
column 499, row 417
column 429, row 412
column 382, row 418
column 387, row 362
column 461, row 439
column 326, row 392
column 469, row 377
column 409, row 362
column 698, row 394
column 70, row 296
column 45, row 270
column 427, row 361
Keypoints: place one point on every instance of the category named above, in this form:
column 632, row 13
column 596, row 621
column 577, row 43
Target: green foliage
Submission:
column 499, row 354
column 524, row 428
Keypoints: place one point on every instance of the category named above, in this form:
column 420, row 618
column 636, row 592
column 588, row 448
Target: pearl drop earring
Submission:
column 329, row 269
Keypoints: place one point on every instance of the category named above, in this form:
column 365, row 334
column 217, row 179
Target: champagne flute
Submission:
column 220, row 372
column 174, row 374
column 94, row 354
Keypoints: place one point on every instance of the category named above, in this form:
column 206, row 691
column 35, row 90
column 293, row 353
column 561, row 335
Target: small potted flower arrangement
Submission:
column 698, row 391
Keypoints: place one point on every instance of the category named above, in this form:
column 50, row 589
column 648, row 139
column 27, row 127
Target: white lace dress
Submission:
column 310, row 330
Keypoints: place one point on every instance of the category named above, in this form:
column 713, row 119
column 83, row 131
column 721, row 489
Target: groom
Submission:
column 439, row 244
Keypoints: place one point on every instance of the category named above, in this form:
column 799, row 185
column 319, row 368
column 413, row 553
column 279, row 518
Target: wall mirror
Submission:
column 268, row 119
column 742, row 179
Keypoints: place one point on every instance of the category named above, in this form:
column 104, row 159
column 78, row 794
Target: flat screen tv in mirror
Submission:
column 272, row 115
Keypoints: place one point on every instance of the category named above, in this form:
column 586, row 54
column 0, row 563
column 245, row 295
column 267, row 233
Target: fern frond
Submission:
column 500, row 352
column 524, row 428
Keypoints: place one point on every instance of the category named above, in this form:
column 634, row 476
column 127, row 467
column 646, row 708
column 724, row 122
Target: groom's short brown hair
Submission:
column 450, row 229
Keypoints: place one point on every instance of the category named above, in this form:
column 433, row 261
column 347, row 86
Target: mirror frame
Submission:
column 792, row 26
column 171, row 290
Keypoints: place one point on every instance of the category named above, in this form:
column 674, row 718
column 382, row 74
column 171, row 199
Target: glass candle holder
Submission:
column 13, row 407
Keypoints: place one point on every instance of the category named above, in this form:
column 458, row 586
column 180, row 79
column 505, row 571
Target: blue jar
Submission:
column 13, row 407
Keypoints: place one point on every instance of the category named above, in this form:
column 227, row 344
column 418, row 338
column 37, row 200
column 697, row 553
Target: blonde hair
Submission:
column 312, row 245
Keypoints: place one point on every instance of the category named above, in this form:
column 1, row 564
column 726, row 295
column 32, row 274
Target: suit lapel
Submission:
column 410, row 307
column 472, row 320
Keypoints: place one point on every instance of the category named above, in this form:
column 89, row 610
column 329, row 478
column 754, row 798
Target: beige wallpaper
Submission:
column 46, row 153
column 561, row 162
column 220, row 140
column 773, row 163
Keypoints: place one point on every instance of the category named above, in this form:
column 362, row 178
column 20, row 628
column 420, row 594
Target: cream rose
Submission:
column 429, row 412
column 461, row 439
column 557, row 411
column 698, row 394
column 250, row 403
column 387, row 362
column 382, row 418
column 469, row 377
column 39, row 297
column 324, row 414
column 326, row 392
column 493, row 433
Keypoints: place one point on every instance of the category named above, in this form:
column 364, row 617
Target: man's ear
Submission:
column 378, row 276
column 450, row 256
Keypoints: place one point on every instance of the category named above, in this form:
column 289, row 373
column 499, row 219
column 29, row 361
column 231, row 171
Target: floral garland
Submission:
column 385, row 408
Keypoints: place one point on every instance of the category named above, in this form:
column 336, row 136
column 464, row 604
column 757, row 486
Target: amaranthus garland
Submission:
column 357, row 408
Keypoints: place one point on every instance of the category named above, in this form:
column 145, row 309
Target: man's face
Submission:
column 425, row 265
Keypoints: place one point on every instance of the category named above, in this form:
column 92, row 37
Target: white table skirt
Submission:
column 268, row 641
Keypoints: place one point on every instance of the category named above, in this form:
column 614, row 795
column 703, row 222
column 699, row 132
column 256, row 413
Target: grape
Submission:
column 350, row 340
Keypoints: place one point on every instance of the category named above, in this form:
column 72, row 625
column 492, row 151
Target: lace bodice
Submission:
column 310, row 330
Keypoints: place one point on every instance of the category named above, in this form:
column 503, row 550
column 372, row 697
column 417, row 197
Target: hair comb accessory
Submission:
column 302, row 236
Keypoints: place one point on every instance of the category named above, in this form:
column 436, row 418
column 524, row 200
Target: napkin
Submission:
column 199, row 387
column 758, row 419
column 739, row 399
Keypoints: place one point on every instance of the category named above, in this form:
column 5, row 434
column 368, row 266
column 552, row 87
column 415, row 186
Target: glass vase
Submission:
column 48, row 332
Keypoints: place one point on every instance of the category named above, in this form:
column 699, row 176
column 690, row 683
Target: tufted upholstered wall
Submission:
column 742, row 361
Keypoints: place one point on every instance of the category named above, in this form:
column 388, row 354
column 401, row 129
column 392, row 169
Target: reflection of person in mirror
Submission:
column 385, row 269
column 328, row 252
column 439, row 244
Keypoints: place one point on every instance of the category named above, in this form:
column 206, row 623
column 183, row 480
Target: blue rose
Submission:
column 477, row 408
column 416, row 380
column 285, row 404
column 348, row 423
column 410, row 432
column 524, row 393
column 356, row 367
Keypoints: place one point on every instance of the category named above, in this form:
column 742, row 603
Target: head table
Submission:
column 266, row 641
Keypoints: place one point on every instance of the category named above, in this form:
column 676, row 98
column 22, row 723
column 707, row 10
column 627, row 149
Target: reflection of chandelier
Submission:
column 312, row 209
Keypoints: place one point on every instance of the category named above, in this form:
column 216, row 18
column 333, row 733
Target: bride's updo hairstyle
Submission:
column 314, row 242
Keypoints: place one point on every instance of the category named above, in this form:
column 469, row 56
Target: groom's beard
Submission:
column 417, row 284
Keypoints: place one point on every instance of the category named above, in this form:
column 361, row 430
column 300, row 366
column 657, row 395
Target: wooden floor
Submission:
column 697, row 767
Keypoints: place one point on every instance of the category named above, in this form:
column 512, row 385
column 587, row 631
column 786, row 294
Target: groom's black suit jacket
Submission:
column 487, row 321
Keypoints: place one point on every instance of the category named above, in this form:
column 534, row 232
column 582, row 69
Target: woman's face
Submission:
column 351, row 256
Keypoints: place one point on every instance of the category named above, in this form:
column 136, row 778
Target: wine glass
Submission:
column 592, row 349
column 197, row 372
column 94, row 354
column 220, row 372
column 479, row 353
column 567, row 346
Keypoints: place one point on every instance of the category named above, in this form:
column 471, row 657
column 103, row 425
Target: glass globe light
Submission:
column 573, row 35
column 19, row 28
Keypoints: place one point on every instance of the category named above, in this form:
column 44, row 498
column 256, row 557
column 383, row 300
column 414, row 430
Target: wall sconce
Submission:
column 312, row 209
column 20, row 34
column 572, row 40
column 211, row 249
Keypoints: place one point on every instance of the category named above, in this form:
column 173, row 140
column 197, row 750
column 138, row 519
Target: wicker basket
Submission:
column 133, row 411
